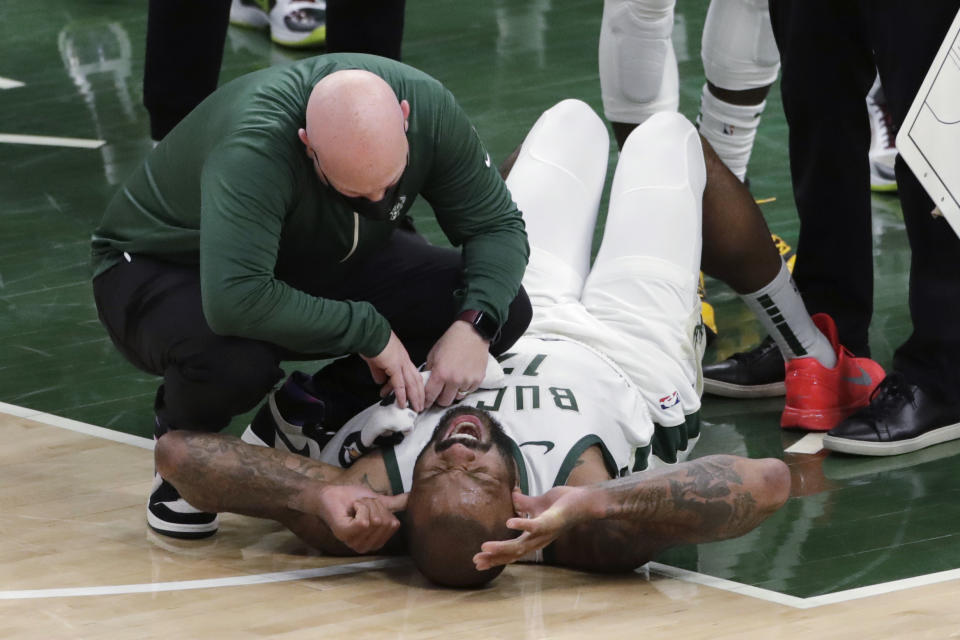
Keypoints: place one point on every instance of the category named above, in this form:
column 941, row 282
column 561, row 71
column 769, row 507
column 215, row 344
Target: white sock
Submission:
column 780, row 310
column 730, row 129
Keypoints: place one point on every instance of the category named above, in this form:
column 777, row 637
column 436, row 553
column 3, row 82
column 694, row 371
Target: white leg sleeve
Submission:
column 638, row 67
column 557, row 182
column 643, row 285
column 731, row 129
column 738, row 48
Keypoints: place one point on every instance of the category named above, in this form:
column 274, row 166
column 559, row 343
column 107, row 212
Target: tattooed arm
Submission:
column 216, row 472
column 620, row 524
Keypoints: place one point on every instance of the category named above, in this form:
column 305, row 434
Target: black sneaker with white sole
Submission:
column 170, row 515
column 294, row 418
column 900, row 418
column 758, row 373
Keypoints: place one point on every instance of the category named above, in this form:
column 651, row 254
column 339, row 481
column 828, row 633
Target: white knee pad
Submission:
column 738, row 48
column 656, row 199
column 557, row 181
column 638, row 68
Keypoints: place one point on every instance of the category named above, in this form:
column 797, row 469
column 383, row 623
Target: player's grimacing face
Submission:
column 468, row 452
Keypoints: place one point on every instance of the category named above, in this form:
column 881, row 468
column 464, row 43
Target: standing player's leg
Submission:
column 556, row 182
column 638, row 67
column 741, row 62
column 824, row 382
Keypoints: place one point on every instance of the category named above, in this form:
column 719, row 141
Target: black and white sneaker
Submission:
column 293, row 419
column 170, row 515
column 758, row 373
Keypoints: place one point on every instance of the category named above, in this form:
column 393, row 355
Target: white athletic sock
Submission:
column 780, row 310
column 730, row 129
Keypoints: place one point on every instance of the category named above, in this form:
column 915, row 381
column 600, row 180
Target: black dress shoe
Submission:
column 900, row 418
column 757, row 373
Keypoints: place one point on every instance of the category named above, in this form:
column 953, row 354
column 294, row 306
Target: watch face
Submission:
column 484, row 324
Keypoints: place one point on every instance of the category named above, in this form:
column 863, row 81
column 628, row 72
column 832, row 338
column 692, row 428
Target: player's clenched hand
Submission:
column 393, row 367
column 358, row 517
column 457, row 364
column 548, row 516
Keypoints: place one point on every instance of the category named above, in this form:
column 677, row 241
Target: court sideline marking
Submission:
column 285, row 576
column 209, row 583
column 52, row 141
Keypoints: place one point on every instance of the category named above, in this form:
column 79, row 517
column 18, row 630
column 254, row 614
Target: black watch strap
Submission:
column 483, row 322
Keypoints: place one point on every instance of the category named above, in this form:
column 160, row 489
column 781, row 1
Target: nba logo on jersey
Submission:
column 668, row 401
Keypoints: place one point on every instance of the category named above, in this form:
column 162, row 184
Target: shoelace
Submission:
column 755, row 354
column 893, row 392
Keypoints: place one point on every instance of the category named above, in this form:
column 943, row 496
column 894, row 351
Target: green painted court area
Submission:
column 851, row 523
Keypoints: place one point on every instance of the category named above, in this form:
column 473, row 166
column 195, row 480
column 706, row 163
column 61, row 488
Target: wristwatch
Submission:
column 484, row 323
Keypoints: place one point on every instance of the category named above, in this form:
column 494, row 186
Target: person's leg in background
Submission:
column 638, row 67
column 372, row 26
column 182, row 64
column 825, row 75
column 741, row 62
column 827, row 71
column 920, row 403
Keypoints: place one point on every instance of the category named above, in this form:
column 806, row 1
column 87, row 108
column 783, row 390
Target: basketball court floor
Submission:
column 864, row 547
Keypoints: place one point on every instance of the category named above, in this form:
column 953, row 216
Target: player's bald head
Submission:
column 356, row 127
column 445, row 531
column 461, row 497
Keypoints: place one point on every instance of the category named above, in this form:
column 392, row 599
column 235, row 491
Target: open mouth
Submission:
column 465, row 428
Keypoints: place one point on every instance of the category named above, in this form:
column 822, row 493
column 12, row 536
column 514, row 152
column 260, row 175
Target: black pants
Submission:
column 152, row 311
column 830, row 51
column 185, row 48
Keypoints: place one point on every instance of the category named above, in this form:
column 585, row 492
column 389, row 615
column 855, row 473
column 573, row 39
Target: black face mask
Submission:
column 387, row 209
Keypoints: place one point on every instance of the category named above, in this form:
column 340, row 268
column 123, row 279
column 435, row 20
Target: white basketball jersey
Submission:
column 558, row 398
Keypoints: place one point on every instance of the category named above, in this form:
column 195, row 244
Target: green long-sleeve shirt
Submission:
column 232, row 190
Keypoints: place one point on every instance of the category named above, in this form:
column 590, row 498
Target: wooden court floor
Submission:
column 863, row 547
column 77, row 561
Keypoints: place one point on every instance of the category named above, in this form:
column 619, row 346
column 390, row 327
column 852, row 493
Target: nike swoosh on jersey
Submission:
column 863, row 379
column 304, row 451
column 487, row 160
column 542, row 443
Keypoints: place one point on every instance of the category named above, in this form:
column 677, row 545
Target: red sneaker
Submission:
column 818, row 398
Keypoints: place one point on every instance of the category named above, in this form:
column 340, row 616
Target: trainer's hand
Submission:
column 548, row 516
column 457, row 364
column 393, row 367
column 358, row 517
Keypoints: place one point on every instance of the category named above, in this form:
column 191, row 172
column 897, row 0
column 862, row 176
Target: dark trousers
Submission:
column 152, row 312
column 830, row 51
column 185, row 48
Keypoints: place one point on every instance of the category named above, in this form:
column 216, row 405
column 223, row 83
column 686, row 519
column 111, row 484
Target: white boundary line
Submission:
column 727, row 585
column 804, row 603
column 74, row 425
column 212, row 583
column 283, row 576
column 52, row 141
column 7, row 83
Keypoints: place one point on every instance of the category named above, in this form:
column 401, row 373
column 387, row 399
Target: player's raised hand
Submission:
column 394, row 367
column 360, row 518
column 543, row 519
column 457, row 364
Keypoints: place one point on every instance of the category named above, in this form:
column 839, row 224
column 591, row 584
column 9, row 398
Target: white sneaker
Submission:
column 883, row 151
column 292, row 23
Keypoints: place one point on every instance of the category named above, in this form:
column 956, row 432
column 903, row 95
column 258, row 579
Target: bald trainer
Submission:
column 271, row 224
